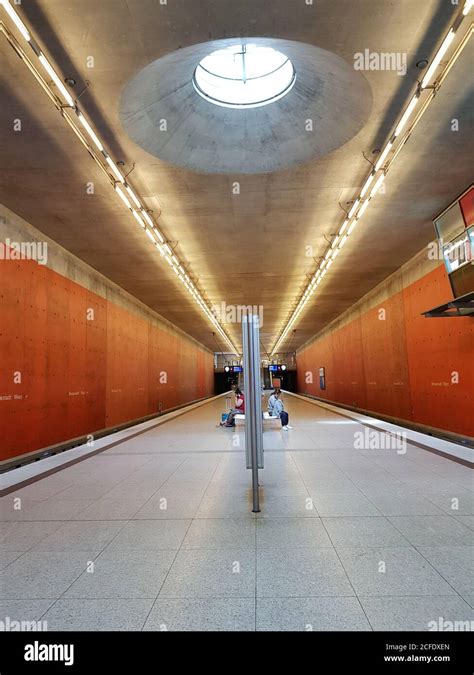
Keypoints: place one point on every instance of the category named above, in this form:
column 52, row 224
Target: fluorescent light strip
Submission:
column 331, row 253
column 158, row 234
column 343, row 227
column 382, row 157
column 363, row 208
column 367, row 184
column 133, row 196
column 352, row 227
column 399, row 128
column 114, row 168
column 438, row 58
column 353, row 208
column 123, row 197
column 141, row 213
column 16, row 20
column 467, row 7
column 90, row 131
column 138, row 219
column 377, row 185
column 52, row 73
column 344, row 239
column 406, row 115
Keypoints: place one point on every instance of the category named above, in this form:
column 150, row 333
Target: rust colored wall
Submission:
column 402, row 365
column 79, row 376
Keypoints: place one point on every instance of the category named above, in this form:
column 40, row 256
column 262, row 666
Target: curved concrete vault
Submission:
column 203, row 137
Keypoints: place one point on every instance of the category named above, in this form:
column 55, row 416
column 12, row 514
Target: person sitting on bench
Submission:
column 238, row 410
column 271, row 402
column 279, row 411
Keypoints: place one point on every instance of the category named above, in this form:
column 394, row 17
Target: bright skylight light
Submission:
column 244, row 76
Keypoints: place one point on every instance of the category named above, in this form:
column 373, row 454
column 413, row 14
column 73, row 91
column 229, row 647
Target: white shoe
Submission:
column 287, row 427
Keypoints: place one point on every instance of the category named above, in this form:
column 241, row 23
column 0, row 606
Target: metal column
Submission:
column 253, row 401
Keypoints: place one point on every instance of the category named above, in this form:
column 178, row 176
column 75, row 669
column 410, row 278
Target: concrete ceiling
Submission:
column 249, row 248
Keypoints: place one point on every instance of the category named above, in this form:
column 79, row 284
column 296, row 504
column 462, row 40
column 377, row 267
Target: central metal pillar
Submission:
column 253, row 401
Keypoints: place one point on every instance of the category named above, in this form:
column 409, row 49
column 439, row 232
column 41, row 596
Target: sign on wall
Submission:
column 322, row 378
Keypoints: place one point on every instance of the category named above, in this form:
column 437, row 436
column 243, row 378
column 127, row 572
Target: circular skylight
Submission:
column 244, row 76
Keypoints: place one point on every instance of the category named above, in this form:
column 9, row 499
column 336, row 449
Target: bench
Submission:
column 240, row 419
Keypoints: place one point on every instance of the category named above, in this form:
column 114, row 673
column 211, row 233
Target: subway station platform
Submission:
column 157, row 533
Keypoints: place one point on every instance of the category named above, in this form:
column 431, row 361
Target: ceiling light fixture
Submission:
column 52, row 73
column 406, row 115
column 133, row 196
column 344, row 226
column 367, row 184
column 397, row 135
column 123, row 197
column 66, row 105
column 383, row 155
column 437, row 59
column 378, row 185
column 113, row 166
column 16, row 19
column 90, row 131
column 353, row 208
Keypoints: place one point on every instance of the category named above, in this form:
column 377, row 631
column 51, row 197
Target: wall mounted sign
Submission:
column 322, row 378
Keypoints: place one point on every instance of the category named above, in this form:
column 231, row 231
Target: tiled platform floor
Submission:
column 157, row 533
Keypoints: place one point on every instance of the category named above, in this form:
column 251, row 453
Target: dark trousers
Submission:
column 284, row 418
column 230, row 422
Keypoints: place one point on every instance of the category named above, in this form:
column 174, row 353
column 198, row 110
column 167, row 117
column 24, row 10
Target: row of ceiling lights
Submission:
column 129, row 197
column 377, row 175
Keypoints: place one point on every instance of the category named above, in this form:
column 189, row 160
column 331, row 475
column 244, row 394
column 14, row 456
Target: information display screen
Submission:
column 233, row 369
column 459, row 252
column 450, row 224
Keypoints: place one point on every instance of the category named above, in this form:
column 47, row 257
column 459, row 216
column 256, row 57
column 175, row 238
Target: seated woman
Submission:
column 279, row 411
column 271, row 402
column 238, row 410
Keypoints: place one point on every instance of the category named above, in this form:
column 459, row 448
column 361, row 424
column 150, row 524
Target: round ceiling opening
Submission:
column 244, row 76
column 319, row 103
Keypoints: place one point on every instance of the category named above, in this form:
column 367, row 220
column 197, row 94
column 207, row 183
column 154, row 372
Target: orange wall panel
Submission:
column 402, row 365
column 84, row 363
column 387, row 378
column 440, row 358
